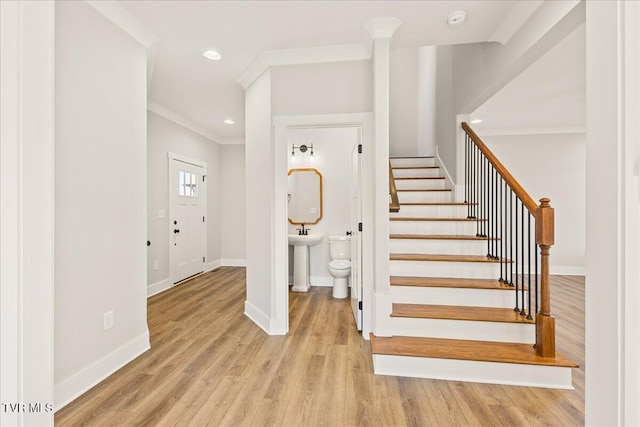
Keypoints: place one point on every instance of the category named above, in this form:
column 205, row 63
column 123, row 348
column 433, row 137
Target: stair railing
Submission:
column 504, row 213
column 394, row 204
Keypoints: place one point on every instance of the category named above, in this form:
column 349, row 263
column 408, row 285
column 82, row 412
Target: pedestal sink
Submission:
column 301, row 245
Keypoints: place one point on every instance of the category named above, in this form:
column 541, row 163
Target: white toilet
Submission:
column 340, row 264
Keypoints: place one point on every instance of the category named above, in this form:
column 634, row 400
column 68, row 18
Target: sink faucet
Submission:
column 302, row 231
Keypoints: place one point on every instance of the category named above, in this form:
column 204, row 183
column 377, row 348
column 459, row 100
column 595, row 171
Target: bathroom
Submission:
column 330, row 151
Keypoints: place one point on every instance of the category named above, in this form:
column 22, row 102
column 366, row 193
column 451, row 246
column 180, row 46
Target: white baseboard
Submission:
column 71, row 388
column 213, row 265
column 158, row 287
column 234, row 262
column 570, row 270
column 257, row 316
column 323, row 281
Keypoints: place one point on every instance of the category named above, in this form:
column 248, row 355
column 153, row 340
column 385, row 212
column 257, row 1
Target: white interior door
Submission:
column 356, row 239
column 187, row 226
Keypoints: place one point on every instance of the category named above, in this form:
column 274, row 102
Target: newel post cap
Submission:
column 545, row 223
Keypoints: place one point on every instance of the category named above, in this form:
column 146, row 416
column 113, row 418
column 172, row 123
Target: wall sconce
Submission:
column 303, row 149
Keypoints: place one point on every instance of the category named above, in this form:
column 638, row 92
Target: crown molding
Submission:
column 185, row 123
column 312, row 55
column 130, row 25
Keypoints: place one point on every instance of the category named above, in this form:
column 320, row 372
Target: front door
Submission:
column 187, row 226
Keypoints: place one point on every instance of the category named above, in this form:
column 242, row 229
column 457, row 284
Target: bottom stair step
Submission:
column 472, row 361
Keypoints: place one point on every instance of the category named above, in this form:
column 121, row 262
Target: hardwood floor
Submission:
column 210, row 365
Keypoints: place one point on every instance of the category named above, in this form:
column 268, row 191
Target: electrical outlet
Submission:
column 156, row 265
column 107, row 320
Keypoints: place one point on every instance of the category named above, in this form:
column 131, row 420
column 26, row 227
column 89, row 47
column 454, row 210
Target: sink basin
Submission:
column 305, row 240
column 301, row 259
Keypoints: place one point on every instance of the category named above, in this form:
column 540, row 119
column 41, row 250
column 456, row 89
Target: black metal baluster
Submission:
column 479, row 186
column 516, row 257
column 487, row 203
column 537, row 250
column 529, row 264
column 500, row 212
column 523, row 312
column 511, row 239
column 467, row 184
column 496, row 220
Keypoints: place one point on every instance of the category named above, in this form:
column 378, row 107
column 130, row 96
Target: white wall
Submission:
column 259, row 201
column 340, row 87
column 165, row 136
column 332, row 158
column 552, row 166
column 232, row 206
column 445, row 114
column 404, row 102
column 100, row 205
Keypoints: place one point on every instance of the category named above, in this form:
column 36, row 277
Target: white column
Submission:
column 381, row 31
column 26, row 215
column 612, row 249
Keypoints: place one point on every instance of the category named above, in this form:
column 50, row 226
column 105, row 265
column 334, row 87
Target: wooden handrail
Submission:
column 394, row 206
column 527, row 200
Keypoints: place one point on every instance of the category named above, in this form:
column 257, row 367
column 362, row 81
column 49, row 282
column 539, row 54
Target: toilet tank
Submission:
column 340, row 247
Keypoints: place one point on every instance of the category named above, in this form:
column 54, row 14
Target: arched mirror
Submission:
column 305, row 196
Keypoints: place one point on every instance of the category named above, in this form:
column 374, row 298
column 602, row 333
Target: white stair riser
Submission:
column 433, row 246
column 470, row 270
column 431, row 211
column 415, row 161
column 454, row 296
column 465, row 228
column 473, row 371
column 407, row 173
column 523, row 333
column 424, row 196
column 419, row 184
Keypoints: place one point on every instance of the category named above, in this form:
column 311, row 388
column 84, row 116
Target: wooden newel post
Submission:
column 545, row 322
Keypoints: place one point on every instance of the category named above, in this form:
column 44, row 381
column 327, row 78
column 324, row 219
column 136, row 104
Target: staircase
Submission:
column 452, row 317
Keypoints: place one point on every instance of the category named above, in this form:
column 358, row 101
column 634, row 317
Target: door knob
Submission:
column 349, row 233
column 176, row 231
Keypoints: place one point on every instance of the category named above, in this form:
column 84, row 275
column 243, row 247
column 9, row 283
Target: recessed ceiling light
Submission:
column 229, row 122
column 476, row 121
column 212, row 55
column 456, row 18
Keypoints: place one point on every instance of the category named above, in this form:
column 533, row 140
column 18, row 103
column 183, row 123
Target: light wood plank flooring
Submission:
column 210, row 365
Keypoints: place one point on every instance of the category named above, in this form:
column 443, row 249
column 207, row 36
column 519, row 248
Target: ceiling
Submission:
column 206, row 92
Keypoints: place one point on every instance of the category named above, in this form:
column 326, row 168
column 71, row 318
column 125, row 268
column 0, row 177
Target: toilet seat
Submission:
column 340, row 264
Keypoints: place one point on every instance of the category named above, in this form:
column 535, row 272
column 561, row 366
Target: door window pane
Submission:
column 188, row 184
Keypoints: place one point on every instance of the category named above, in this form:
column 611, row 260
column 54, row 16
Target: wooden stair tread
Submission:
column 436, row 204
column 407, row 218
column 443, row 257
column 419, row 177
column 413, row 157
column 447, row 282
column 484, row 351
column 455, row 312
column 439, row 237
column 426, row 189
column 415, row 167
